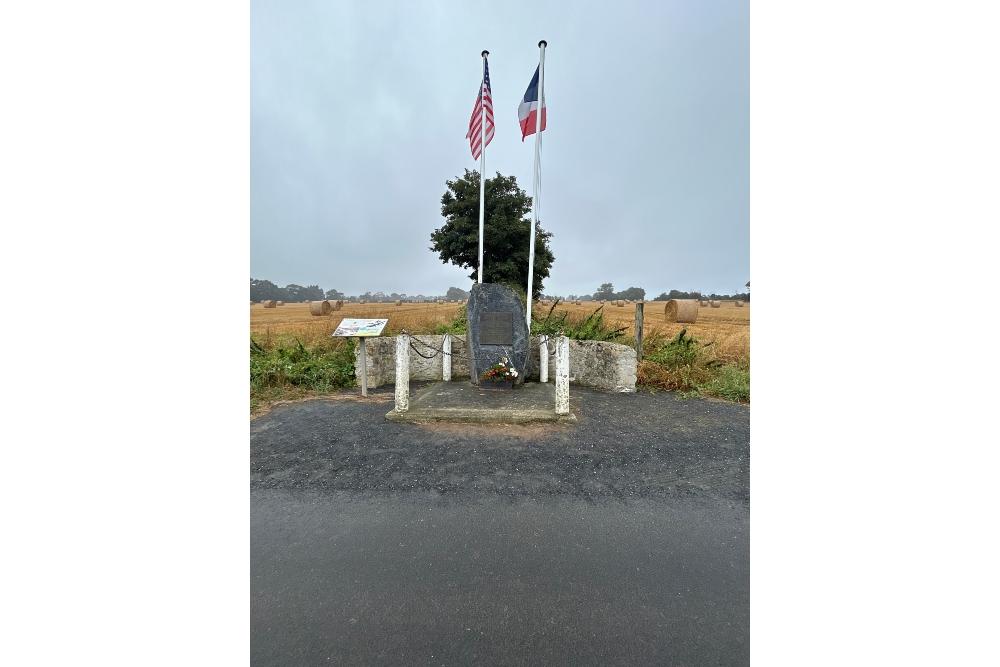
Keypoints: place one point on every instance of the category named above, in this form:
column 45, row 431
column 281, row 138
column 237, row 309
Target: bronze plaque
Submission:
column 496, row 328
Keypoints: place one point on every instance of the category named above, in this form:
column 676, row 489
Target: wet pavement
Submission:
column 620, row 540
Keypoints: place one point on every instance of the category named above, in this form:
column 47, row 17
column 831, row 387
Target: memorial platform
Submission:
column 462, row 402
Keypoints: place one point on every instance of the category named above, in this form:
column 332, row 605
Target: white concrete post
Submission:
column 562, row 375
column 446, row 358
column 402, row 372
column 543, row 359
column 364, row 367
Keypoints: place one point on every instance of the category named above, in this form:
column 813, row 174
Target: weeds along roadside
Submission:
column 283, row 370
column 694, row 367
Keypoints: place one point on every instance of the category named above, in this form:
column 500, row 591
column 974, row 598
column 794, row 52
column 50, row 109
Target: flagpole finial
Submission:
column 485, row 53
column 542, row 43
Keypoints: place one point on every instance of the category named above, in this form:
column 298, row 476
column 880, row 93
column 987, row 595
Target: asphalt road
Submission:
column 623, row 539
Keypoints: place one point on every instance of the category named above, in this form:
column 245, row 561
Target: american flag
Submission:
column 475, row 134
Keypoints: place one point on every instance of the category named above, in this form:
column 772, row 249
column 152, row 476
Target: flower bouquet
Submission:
column 499, row 375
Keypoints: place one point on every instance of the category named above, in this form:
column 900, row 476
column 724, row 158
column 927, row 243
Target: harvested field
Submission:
column 294, row 319
column 728, row 325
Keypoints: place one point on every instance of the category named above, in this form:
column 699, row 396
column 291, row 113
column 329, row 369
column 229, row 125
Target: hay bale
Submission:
column 681, row 310
column 338, row 305
column 270, row 304
column 281, row 303
column 620, row 303
column 398, row 302
column 703, row 304
column 319, row 308
column 440, row 301
column 715, row 304
column 739, row 304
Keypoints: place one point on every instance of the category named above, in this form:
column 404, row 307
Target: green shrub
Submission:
column 683, row 350
column 457, row 326
column 592, row 328
column 685, row 365
column 326, row 367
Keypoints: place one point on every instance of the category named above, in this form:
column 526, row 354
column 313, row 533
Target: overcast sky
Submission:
column 358, row 115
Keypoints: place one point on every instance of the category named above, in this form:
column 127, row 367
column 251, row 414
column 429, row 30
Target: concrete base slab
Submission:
column 462, row 402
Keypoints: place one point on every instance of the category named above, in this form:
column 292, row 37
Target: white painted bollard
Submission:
column 543, row 359
column 562, row 375
column 364, row 367
column 446, row 358
column 402, row 372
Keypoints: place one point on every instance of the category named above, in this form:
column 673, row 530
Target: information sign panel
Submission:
column 359, row 327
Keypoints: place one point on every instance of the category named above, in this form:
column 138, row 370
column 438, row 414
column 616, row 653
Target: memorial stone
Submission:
column 496, row 329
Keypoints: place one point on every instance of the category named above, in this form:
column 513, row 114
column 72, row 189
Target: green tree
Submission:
column 605, row 291
column 457, row 293
column 632, row 294
column 265, row 289
column 506, row 232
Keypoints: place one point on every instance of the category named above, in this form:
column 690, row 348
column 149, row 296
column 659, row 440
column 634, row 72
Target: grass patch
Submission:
column 688, row 366
column 285, row 370
column 731, row 383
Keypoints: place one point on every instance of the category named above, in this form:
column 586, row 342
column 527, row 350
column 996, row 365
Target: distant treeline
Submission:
column 261, row 290
column 675, row 294
column 607, row 292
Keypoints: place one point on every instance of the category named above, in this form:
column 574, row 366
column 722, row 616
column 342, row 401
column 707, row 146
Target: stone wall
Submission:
column 592, row 363
column 381, row 356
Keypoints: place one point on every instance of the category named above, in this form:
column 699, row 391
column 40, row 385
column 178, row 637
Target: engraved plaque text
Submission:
column 496, row 328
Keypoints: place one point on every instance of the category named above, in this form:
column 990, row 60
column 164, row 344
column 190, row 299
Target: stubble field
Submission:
column 728, row 326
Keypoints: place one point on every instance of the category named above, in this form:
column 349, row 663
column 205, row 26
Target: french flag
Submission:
column 527, row 111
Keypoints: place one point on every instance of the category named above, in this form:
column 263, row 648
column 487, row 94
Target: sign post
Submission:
column 361, row 328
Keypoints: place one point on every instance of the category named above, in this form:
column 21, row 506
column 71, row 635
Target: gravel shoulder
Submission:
column 623, row 446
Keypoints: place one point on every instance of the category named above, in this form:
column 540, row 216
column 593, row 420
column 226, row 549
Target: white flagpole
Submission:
column 534, row 200
column 482, row 169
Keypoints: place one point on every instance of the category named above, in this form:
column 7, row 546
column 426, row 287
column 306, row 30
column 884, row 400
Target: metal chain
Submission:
column 438, row 350
column 548, row 346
